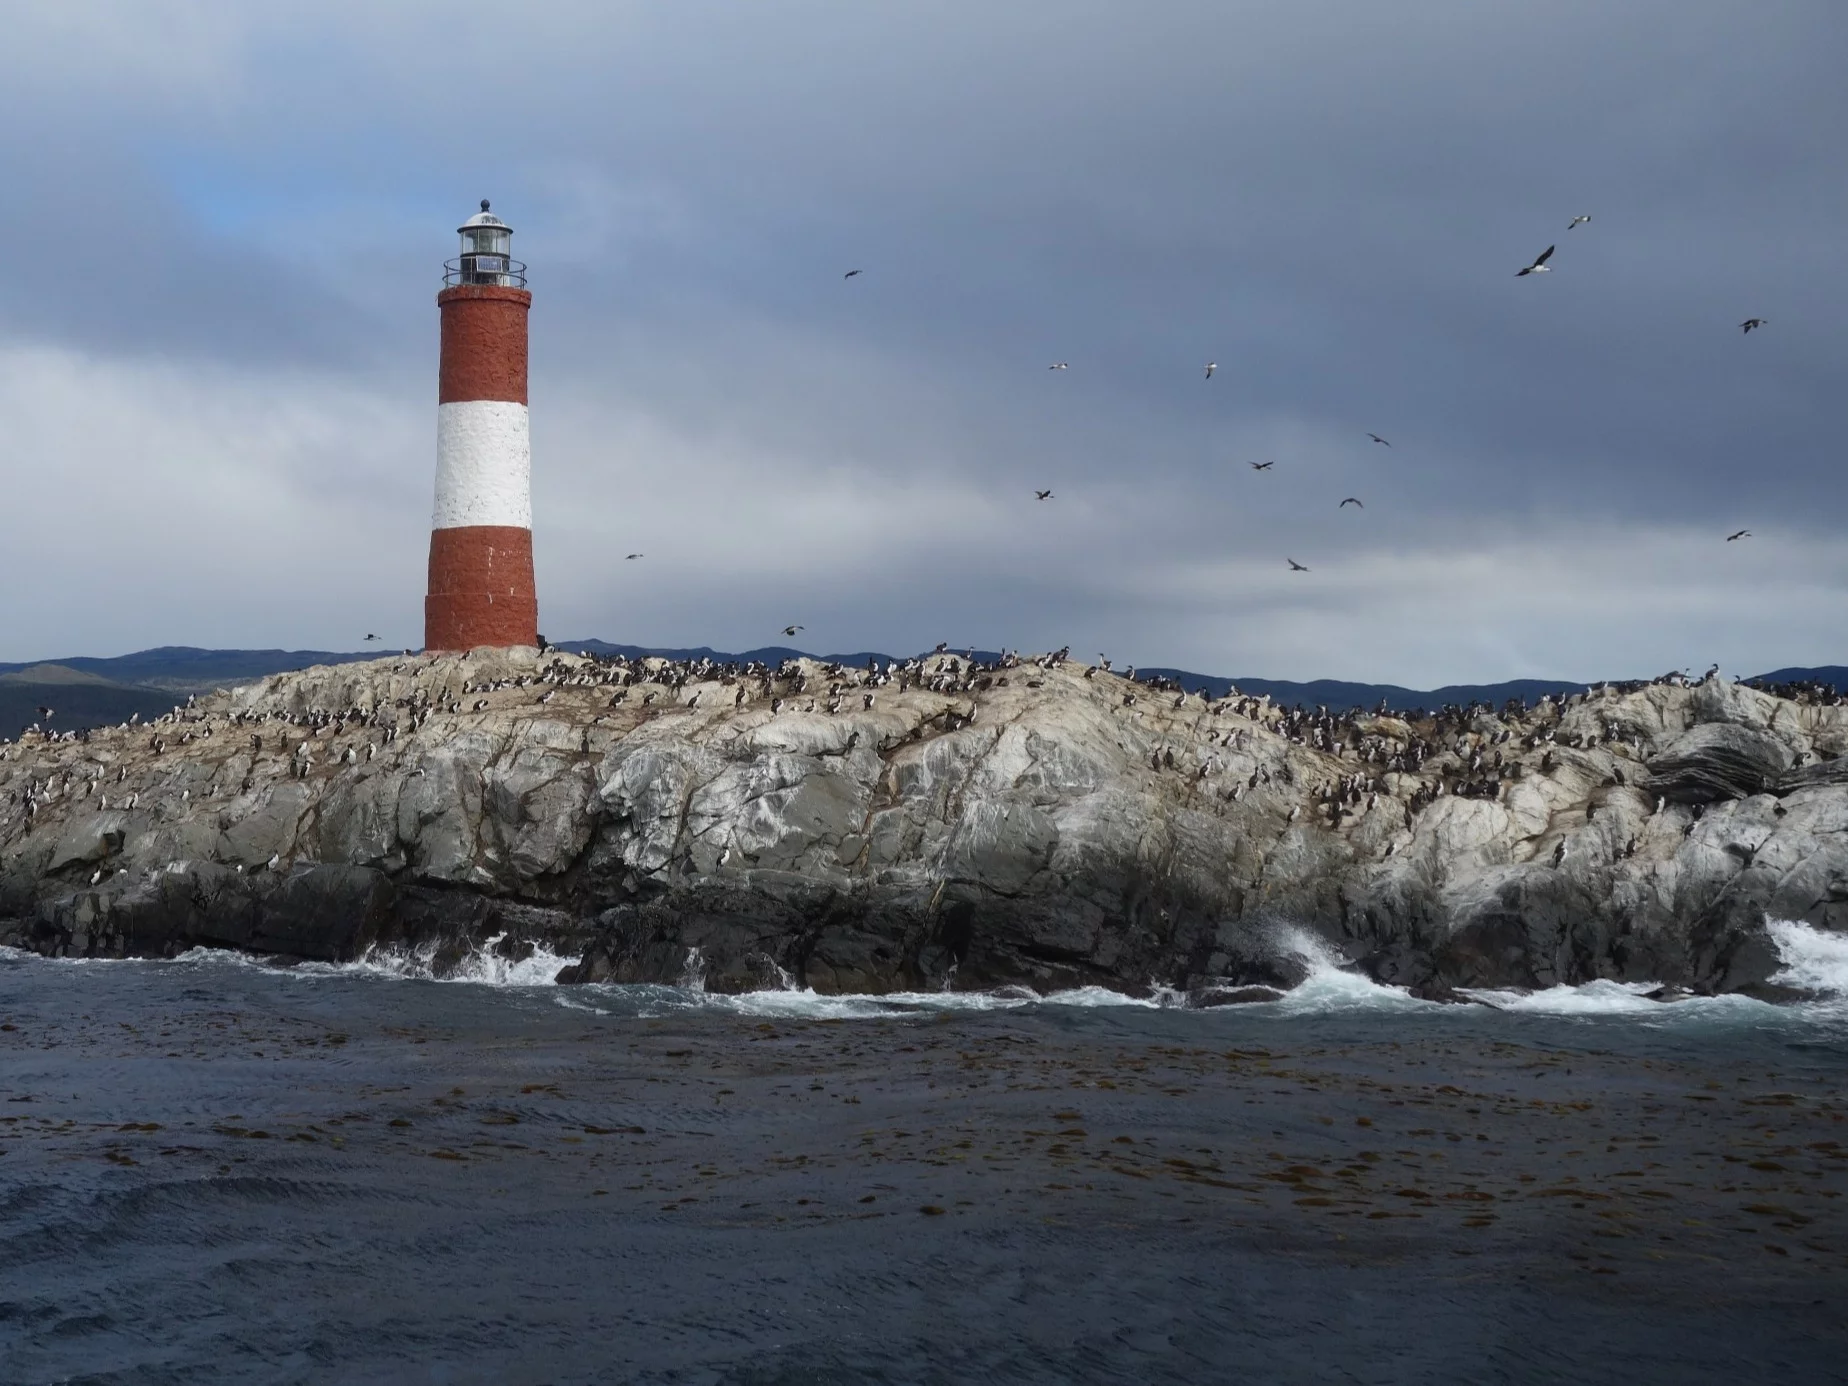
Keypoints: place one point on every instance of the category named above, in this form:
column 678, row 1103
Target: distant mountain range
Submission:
column 88, row 692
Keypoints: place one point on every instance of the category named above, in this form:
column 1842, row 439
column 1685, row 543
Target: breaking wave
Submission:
column 1814, row 963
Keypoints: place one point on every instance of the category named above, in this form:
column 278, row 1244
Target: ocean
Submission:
column 217, row 1169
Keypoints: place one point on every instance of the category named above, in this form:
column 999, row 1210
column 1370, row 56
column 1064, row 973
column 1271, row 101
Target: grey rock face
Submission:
column 1039, row 824
column 1717, row 761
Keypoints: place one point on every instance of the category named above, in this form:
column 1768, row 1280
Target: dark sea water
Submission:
column 215, row 1170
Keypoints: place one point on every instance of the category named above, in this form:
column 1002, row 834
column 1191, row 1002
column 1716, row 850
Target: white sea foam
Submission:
column 1813, row 960
column 1332, row 984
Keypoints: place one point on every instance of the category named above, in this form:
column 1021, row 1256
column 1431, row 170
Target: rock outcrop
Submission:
column 1039, row 823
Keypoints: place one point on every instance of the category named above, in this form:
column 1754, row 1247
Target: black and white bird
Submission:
column 1351, row 500
column 850, row 274
column 1295, row 567
column 1539, row 264
column 630, row 557
column 1262, row 466
column 1060, row 366
column 371, row 639
column 1211, row 366
column 1750, row 323
column 1578, row 221
column 791, row 630
column 1042, row 495
column 1381, row 441
column 1739, row 534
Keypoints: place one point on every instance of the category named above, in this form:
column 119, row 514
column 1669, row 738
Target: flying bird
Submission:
column 1211, row 366
column 1060, row 366
column 1579, row 221
column 1295, row 567
column 1376, row 438
column 1042, row 495
column 371, row 639
column 1539, row 264
column 850, row 274
column 1742, row 534
column 1351, row 500
column 1261, row 466
column 1750, row 323
column 791, row 630
column 628, row 556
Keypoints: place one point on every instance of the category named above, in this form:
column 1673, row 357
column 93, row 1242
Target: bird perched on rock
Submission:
column 1750, row 323
column 1539, row 266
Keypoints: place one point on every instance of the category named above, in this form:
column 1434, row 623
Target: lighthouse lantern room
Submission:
column 486, row 258
column 481, row 532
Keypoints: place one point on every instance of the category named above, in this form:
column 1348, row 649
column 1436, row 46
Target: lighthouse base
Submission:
column 481, row 588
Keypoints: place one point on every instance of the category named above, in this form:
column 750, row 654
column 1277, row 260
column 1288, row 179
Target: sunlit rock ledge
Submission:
column 936, row 824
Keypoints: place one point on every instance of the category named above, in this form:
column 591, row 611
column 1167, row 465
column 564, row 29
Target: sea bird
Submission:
column 1351, row 500
column 1579, row 221
column 371, row 639
column 791, row 630
column 1741, row 534
column 1750, row 323
column 850, row 274
column 1211, row 366
column 1539, row 264
column 1060, row 366
column 1043, row 495
column 1295, row 567
column 1381, row 441
column 629, row 556
column 1262, row 466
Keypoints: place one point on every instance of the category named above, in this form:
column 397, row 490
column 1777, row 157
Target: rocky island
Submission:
column 940, row 823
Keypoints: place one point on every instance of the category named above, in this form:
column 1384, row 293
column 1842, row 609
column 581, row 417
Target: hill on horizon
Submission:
column 87, row 691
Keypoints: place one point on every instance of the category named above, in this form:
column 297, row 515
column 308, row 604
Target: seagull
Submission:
column 1043, row 495
column 371, row 639
column 1750, row 323
column 1381, row 441
column 1295, row 567
column 1742, row 534
column 1539, row 264
column 1060, row 366
column 850, row 274
column 791, row 630
column 1262, row 466
column 1579, row 221
column 628, row 556
column 1211, row 366
column 1351, row 500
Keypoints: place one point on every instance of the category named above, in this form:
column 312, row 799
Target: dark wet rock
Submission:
column 1204, row 998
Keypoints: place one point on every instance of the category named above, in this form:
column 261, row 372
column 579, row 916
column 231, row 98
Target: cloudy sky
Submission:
column 218, row 336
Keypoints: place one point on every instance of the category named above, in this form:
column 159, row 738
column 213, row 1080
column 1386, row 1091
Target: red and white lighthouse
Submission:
column 481, row 536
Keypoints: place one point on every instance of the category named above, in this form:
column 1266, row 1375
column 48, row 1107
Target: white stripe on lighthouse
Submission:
column 484, row 465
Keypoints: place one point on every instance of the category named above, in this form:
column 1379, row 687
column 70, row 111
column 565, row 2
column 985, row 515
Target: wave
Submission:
column 1813, row 961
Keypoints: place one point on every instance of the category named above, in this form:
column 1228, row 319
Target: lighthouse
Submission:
column 481, row 535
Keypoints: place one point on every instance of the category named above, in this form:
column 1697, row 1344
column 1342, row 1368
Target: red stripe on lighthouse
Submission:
column 481, row 589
